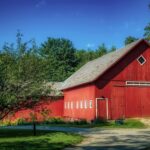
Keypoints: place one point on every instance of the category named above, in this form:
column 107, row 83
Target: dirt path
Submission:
column 105, row 139
column 115, row 139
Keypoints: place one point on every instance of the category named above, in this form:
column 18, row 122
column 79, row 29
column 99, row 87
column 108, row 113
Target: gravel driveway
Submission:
column 105, row 139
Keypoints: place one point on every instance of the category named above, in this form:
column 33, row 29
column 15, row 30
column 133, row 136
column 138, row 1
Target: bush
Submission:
column 79, row 122
column 54, row 121
column 100, row 121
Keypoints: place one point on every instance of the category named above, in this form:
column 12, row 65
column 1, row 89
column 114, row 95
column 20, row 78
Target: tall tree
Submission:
column 59, row 58
column 21, row 81
column 112, row 49
column 83, row 56
column 147, row 32
column 102, row 50
column 130, row 39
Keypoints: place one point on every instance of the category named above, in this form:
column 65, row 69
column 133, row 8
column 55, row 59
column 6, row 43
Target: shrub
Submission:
column 79, row 122
column 54, row 121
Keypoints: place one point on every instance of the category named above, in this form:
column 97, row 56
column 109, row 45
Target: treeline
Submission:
column 55, row 59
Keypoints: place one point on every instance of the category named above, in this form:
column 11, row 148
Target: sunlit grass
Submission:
column 44, row 140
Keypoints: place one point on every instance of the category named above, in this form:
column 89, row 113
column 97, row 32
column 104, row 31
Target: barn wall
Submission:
column 127, row 69
column 76, row 96
column 44, row 109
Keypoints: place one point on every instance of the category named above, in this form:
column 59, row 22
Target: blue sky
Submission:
column 87, row 23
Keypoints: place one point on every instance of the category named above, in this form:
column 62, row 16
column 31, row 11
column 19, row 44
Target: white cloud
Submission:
column 90, row 45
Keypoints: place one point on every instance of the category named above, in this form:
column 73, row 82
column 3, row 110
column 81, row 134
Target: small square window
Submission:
column 141, row 60
column 90, row 103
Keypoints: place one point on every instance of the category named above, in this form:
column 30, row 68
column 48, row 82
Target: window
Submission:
column 81, row 105
column 137, row 83
column 68, row 105
column 85, row 104
column 71, row 103
column 141, row 60
column 65, row 105
column 77, row 105
column 90, row 104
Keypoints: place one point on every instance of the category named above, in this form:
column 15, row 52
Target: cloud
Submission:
column 40, row 3
column 90, row 45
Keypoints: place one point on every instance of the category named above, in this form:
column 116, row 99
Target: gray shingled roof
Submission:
column 93, row 69
column 55, row 88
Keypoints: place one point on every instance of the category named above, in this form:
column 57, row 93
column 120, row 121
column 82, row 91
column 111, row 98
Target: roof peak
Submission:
column 95, row 68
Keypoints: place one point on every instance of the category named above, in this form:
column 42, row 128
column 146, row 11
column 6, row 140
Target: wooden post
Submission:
column 34, row 128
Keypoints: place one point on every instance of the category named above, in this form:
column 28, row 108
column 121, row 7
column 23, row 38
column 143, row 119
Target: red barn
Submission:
column 116, row 85
column 49, row 106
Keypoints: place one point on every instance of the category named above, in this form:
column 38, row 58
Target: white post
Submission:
column 107, row 109
column 96, row 107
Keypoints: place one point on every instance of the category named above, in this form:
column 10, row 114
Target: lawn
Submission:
column 44, row 140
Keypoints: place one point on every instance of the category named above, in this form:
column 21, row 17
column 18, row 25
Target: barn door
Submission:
column 145, row 101
column 101, row 109
column 133, row 101
column 118, row 103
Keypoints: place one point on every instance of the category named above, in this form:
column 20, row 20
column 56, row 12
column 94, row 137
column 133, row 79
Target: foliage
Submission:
column 102, row 50
column 130, row 39
column 23, row 139
column 21, row 79
column 59, row 58
column 8, row 122
column 147, row 32
column 55, row 120
column 127, row 123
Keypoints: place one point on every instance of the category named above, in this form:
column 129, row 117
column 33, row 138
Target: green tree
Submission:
column 130, row 39
column 112, row 49
column 102, row 50
column 21, row 81
column 59, row 58
column 147, row 32
column 84, row 56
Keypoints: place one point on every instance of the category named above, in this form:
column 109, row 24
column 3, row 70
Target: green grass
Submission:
column 44, row 140
column 128, row 123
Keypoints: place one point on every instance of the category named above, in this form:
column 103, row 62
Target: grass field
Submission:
column 44, row 140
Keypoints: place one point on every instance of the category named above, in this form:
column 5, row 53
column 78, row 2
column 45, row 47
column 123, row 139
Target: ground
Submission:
column 106, row 139
column 23, row 139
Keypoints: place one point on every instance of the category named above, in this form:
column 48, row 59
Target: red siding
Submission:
column 124, row 101
column 53, row 108
column 76, row 95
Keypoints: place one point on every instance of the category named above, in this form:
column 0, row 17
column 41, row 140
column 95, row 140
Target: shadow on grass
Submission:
column 33, row 145
column 45, row 140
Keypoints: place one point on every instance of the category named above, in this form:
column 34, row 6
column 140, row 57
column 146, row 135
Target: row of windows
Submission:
column 137, row 83
column 78, row 104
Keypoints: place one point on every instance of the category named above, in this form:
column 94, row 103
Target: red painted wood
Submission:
column 54, row 108
column 102, row 109
column 133, row 102
column 79, row 94
column 118, row 103
column 127, row 69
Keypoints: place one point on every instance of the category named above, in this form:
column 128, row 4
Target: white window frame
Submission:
column 77, row 105
column 138, row 83
column 81, row 104
column 65, row 105
column 68, row 105
column 90, row 103
column 71, row 105
column 85, row 104
column 140, row 62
